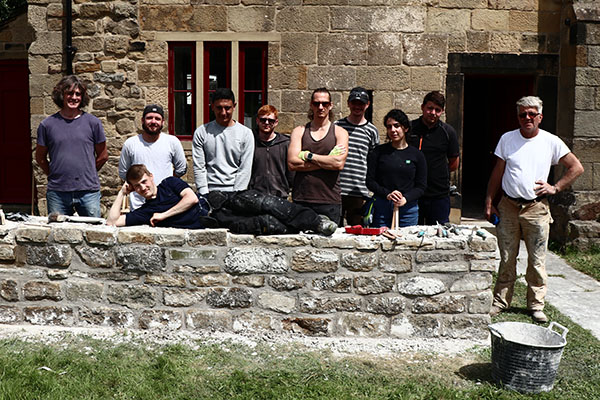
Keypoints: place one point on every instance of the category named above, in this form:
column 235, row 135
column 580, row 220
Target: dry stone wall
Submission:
column 344, row 285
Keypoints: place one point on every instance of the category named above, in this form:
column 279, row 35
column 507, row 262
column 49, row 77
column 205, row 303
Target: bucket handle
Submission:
column 564, row 330
column 496, row 331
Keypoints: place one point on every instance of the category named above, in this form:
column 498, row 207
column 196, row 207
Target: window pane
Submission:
column 217, row 69
column 183, row 68
column 254, row 68
column 183, row 113
column 252, row 102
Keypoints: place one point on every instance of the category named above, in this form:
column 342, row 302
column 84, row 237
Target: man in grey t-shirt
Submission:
column 222, row 149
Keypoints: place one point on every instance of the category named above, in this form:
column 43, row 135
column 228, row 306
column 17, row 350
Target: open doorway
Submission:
column 489, row 111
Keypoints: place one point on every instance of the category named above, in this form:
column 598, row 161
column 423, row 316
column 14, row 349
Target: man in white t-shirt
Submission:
column 524, row 157
column 160, row 152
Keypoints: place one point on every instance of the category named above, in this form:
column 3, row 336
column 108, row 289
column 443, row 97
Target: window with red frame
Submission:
column 217, row 72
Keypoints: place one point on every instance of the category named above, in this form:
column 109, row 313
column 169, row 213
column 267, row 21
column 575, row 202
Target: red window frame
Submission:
column 206, row 73
column 263, row 46
column 172, row 90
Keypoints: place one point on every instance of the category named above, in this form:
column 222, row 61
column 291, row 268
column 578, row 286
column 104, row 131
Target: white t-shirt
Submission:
column 528, row 161
column 161, row 158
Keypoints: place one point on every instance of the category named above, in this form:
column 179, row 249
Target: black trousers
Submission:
column 250, row 211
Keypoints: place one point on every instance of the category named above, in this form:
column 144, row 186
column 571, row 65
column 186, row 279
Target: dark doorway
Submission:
column 489, row 111
column 15, row 137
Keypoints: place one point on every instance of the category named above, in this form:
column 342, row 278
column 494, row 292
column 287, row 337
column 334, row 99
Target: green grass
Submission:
column 587, row 262
column 84, row 368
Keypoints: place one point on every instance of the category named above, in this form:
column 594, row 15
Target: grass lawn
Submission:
column 84, row 368
column 587, row 262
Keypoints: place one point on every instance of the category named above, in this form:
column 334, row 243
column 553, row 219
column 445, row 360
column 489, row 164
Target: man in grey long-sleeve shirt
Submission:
column 222, row 149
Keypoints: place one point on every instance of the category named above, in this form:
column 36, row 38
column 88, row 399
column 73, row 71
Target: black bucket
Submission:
column 525, row 357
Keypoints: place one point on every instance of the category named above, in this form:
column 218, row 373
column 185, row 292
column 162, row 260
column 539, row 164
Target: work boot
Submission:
column 269, row 225
column 539, row 316
column 495, row 311
column 326, row 226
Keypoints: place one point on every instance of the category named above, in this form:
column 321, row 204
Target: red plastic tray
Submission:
column 359, row 230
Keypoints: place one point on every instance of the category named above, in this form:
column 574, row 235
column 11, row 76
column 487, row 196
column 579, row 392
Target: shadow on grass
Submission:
column 477, row 372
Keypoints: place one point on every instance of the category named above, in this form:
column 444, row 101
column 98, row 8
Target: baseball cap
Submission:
column 153, row 108
column 359, row 93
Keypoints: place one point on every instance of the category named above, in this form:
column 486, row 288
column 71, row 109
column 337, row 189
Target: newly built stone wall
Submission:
column 344, row 285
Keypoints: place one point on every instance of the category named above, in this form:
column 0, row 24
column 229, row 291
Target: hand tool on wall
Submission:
column 56, row 217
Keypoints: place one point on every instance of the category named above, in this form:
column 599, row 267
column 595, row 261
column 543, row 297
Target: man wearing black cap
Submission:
column 161, row 153
column 363, row 137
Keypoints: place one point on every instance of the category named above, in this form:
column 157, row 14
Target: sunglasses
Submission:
column 321, row 103
column 529, row 114
column 267, row 120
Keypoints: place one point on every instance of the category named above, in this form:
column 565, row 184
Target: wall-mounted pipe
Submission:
column 69, row 49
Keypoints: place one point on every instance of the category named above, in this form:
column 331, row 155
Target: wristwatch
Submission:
column 309, row 156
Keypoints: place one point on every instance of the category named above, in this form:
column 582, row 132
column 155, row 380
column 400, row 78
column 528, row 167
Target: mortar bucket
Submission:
column 525, row 357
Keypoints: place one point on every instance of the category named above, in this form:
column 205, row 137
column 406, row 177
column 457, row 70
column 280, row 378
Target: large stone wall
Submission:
column 398, row 49
column 344, row 285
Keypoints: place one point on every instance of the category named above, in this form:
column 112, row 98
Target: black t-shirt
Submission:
column 167, row 195
column 390, row 169
column 438, row 145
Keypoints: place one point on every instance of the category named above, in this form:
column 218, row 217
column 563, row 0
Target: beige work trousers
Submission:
column 532, row 222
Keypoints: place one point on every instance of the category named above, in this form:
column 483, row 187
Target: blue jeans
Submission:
column 85, row 202
column 408, row 215
column 434, row 211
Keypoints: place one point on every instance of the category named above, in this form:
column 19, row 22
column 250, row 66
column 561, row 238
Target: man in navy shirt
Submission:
column 170, row 204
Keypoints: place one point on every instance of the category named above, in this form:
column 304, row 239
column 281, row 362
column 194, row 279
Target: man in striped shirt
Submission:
column 363, row 137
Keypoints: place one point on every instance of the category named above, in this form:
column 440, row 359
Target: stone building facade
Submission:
column 399, row 49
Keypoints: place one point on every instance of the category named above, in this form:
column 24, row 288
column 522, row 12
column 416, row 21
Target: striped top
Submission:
column 361, row 140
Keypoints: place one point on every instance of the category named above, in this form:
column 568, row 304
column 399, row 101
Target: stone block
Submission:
column 140, row 258
column 101, row 236
column 483, row 265
column 134, row 296
column 94, row 10
column 480, row 303
column 116, row 45
column 239, row 261
column 283, row 240
column 8, row 290
column 374, row 284
column 298, row 49
column 342, row 49
column 277, row 302
column 207, row 237
column 104, row 316
column 48, row 43
column 439, row 304
column 478, row 41
column 362, row 325
column 251, row 281
column 114, row 79
column 585, row 123
column 444, row 267
column 84, row 291
column 333, row 78
column 209, row 320
column 463, row 3
column 420, row 286
column 287, row 77
column 384, row 49
column 9, row 315
column 532, row 42
column 57, row 255
column 359, row 261
column 306, row 260
column 116, row 276
column 457, row 42
column 229, row 297
column 438, row 256
column 254, row 321
column 490, row 20
column 308, row 326
column 32, row 234
column 49, row 315
column 504, row 42
column 426, row 79
column 282, row 283
column 320, row 305
column 153, row 319
column 174, row 18
column 124, row 10
column 67, row 235
column 183, row 297
column 584, row 100
column 302, row 19
column 57, row 274
column 152, row 74
column 523, row 21
column 210, row 280
column 196, row 269
column 338, row 242
column 97, row 257
column 448, row 20
column 471, row 282
column 251, row 19
column 192, row 254
column 164, row 279
column 379, row 19
column 478, row 244
column 384, row 305
column 7, row 252
column 415, row 326
column 94, row 44
column 334, row 283
column 134, row 236
column 466, row 327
